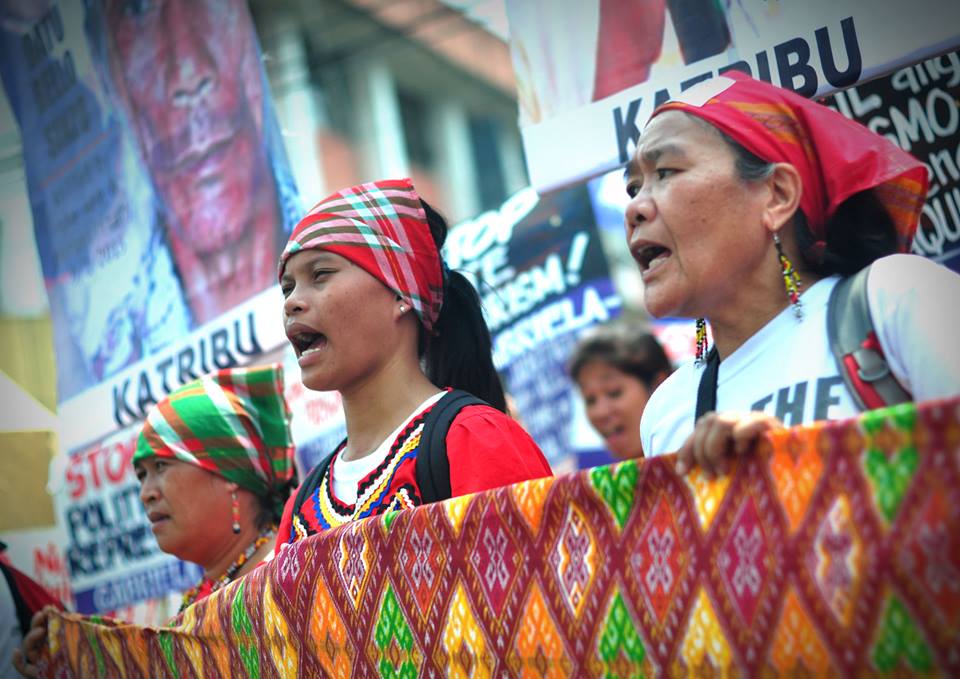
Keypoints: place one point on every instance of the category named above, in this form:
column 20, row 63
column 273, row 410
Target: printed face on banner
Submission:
column 158, row 182
column 188, row 72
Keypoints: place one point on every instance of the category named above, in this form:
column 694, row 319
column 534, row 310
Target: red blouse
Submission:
column 486, row 449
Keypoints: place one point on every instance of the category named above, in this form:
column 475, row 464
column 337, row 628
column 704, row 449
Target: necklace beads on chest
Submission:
column 207, row 586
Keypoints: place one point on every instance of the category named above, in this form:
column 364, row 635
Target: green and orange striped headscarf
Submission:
column 835, row 157
column 234, row 423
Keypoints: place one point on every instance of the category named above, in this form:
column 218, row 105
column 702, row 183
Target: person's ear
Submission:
column 786, row 188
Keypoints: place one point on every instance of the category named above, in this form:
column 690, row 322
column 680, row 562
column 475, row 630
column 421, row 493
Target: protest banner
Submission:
column 543, row 279
column 590, row 73
column 918, row 109
column 158, row 182
column 110, row 552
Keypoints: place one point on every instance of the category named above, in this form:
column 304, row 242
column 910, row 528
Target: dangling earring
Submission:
column 791, row 279
column 236, row 513
column 701, row 341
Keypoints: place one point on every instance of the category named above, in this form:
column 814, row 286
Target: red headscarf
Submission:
column 836, row 157
column 381, row 227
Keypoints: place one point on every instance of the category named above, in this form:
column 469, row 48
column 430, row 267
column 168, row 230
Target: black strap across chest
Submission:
column 432, row 464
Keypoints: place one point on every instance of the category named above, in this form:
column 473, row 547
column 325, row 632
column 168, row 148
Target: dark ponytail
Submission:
column 859, row 232
column 460, row 353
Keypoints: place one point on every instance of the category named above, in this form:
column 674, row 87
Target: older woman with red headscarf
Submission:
column 372, row 312
column 748, row 205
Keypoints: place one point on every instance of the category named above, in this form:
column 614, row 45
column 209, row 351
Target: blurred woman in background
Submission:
column 616, row 367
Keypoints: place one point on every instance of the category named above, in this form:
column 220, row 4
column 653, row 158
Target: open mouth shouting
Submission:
column 306, row 341
column 649, row 256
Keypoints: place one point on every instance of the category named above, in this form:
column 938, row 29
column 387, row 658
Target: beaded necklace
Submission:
column 206, row 586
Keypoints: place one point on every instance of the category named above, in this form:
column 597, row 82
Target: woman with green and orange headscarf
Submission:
column 748, row 205
column 215, row 464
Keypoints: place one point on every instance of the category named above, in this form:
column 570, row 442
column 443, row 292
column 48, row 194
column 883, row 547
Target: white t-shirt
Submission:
column 787, row 368
column 347, row 474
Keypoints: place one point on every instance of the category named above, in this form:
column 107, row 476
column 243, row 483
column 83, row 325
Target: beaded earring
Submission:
column 791, row 279
column 701, row 341
column 236, row 513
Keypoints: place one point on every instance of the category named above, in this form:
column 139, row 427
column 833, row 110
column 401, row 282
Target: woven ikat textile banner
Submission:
column 835, row 551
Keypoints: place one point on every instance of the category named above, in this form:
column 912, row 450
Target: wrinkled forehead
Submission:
column 671, row 133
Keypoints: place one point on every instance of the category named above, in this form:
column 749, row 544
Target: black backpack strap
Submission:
column 707, row 391
column 313, row 480
column 855, row 346
column 433, row 466
column 24, row 615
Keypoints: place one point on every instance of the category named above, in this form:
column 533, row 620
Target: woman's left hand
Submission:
column 718, row 437
column 26, row 657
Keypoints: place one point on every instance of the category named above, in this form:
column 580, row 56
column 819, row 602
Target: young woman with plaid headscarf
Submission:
column 748, row 204
column 372, row 312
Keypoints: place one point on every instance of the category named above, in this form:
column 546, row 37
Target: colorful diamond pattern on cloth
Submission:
column 328, row 636
column 396, row 652
column 616, row 485
column 620, row 648
column 705, row 650
column 574, row 559
column 796, row 467
column 836, row 559
column 797, row 649
column 890, row 459
column 243, row 632
column 932, row 549
column 744, row 560
column 496, row 560
column 660, row 560
column 467, row 650
column 539, row 650
column 421, row 555
column 277, row 632
column 794, row 568
column 354, row 561
column 707, row 494
column 899, row 642
column 456, row 510
column 529, row 497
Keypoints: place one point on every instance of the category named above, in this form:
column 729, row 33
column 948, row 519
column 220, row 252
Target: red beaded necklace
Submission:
column 207, row 586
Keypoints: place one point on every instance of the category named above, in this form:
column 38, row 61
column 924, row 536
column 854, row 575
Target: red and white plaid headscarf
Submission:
column 381, row 227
